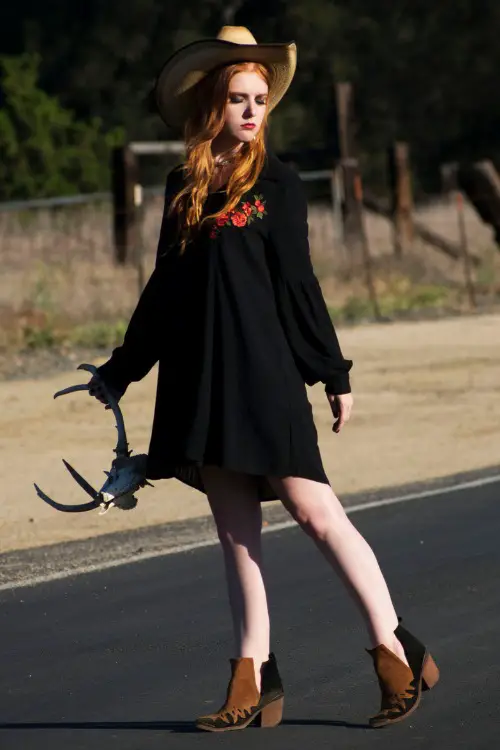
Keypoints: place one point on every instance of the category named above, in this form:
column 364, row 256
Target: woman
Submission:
column 235, row 316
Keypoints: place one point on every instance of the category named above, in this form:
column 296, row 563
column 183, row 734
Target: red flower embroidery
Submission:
column 239, row 219
column 244, row 214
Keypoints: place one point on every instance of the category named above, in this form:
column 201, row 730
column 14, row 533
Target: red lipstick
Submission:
column 248, row 126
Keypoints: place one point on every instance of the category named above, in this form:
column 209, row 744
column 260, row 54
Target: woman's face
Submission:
column 246, row 106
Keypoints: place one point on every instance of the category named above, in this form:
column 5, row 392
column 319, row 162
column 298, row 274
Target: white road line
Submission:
column 266, row 530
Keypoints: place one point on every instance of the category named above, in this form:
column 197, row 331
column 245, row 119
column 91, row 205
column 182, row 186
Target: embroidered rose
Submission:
column 240, row 216
column 259, row 207
column 239, row 219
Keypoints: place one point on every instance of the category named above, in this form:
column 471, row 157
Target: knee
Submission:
column 315, row 521
column 321, row 519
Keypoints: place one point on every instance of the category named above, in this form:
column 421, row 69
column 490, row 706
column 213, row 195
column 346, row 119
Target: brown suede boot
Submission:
column 244, row 702
column 400, row 685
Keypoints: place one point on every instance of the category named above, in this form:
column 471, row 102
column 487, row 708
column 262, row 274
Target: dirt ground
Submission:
column 427, row 404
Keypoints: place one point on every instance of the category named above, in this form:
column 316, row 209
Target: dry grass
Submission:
column 58, row 268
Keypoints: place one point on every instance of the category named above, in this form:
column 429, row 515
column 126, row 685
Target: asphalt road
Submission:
column 128, row 656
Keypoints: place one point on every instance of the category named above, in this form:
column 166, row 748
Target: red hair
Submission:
column 205, row 121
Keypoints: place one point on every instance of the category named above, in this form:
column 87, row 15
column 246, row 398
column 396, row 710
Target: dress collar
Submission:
column 272, row 167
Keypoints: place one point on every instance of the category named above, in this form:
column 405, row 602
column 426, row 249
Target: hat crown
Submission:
column 236, row 35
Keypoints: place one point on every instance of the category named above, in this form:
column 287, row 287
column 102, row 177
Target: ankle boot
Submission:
column 402, row 686
column 243, row 701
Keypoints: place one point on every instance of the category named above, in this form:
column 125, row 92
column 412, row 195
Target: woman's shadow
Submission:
column 176, row 727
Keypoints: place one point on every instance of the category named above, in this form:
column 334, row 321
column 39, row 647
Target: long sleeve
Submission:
column 300, row 302
column 140, row 350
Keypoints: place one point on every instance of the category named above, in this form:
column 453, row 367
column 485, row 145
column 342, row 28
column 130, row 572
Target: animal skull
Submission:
column 127, row 473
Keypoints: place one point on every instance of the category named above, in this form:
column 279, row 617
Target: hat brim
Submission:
column 172, row 87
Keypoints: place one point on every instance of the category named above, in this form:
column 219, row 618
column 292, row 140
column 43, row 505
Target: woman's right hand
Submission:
column 341, row 406
column 96, row 390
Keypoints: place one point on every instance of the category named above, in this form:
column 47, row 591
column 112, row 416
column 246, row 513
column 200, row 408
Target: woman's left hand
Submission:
column 341, row 409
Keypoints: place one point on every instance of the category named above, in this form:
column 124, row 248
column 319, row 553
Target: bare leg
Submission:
column 319, row 512
column 238, row 516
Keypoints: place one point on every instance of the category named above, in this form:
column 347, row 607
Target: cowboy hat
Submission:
column 190, row 64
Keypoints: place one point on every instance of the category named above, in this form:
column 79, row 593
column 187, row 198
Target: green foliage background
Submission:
column 46, row 150
column 76, row 78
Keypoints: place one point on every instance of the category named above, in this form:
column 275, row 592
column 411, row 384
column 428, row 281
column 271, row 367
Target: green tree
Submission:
column 422, row 72
column 45, row 151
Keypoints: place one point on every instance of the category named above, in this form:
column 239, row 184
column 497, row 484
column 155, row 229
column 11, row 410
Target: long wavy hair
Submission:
column 205, row 121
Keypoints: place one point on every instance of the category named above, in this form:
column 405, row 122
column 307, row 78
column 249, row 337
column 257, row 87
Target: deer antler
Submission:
column 127, row 473
column 121, row 445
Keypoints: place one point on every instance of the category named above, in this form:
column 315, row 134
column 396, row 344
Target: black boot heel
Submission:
column 419, row 658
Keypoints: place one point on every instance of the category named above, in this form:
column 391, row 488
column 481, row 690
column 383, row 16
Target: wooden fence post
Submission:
column 124, row 178
column 352, row 219
column 449, row 178
column 365, row 248
column 337, row 195
column 402, row 198
column 138, row 247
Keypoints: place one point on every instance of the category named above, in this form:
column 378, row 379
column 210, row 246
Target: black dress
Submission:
column 238, row 324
